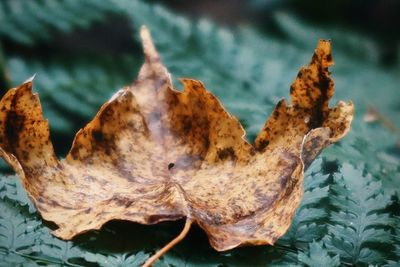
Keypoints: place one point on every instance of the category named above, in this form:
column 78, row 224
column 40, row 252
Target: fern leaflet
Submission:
column 358, row 223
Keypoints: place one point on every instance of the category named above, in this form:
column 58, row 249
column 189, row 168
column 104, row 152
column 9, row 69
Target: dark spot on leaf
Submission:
column 14, row 125
column 98, row 136
column 227, row 153
column 123, row 201
column 314, row 58
column 262, row 145
column 171, row 165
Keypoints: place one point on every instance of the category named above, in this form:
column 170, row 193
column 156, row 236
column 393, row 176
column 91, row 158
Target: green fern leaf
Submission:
column 358, row 224
column 360, row 146
column 18, row 228
column 352, row 43
column 11, row 188
column 55, row 250
column 28, row 22
column 317, row 256
column 11, row 259
column 396, row 240
column 114, row 260
column 23, row 235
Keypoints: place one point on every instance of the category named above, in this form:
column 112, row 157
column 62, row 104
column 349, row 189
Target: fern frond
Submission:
column 18, row 228
column 396, row 241
column 123, row 259
column 317, row 256
column 54, row 250
column 28, row 22
column 361, row 147
column 8, row 259
column 23, row 237
column 357, row 225
column 11, row 189
column 354, row 44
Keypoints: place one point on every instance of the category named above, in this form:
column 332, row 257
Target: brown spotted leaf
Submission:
column 154, row 154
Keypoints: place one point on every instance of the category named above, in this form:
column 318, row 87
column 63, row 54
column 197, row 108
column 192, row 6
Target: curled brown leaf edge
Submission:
column 153, row 153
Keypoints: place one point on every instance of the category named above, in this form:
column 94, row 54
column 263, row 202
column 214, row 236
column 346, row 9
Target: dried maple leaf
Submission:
column 154, row 154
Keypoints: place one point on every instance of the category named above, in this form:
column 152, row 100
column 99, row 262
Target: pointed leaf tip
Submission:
column 323, row 53
column 324, row 45
column 149, row 49
column 29, row 80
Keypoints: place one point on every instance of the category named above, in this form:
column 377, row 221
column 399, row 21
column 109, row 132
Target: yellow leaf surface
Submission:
column 154, row 154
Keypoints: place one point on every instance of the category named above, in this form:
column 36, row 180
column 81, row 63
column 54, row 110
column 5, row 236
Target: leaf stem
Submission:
column 170, row 245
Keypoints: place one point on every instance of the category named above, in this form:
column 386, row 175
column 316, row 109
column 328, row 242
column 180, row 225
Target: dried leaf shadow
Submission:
column 155, row 154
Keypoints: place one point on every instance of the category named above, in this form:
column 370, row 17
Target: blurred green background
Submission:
column 247, row 53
